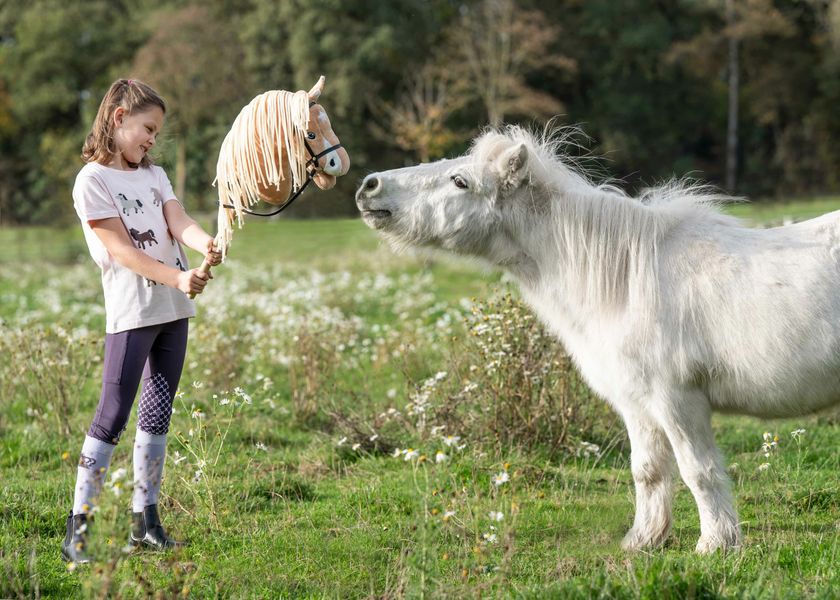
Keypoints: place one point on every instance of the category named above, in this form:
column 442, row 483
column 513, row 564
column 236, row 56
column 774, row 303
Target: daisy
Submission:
column 451, row 440
column 501, row 478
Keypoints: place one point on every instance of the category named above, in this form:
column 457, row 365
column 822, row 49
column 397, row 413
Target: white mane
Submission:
column 607, row 241
column 250, row 155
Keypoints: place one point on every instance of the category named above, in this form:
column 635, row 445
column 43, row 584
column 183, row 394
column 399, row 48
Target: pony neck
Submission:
column 596, row 247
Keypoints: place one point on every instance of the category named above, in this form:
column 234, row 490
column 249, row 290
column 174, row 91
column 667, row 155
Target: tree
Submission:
column 195, row 62
column 497, row 45
column 417, row 120
column 364, row 48
column 53, row 52
column 742, row 21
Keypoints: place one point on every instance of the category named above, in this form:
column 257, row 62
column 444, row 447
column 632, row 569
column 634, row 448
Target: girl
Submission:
column 134, row 225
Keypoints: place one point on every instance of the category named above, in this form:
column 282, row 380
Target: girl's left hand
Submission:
column 213, row 256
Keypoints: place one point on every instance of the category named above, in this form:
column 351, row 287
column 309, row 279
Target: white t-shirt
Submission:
column 137, row 197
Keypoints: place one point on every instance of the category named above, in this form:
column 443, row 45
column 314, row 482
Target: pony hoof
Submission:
column 636, row 540
column 708, row 545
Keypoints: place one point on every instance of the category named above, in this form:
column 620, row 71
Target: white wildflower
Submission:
column 410, row 453
column 440, row 457
column 451, row 440
column 588, row 449
column 501, row 478
column 496, row 515
column 242, row 394
column 771, row 443
column 341, row 442
column 118, row 474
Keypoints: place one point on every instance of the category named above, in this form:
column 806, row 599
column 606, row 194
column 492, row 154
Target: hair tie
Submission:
column 130, row 81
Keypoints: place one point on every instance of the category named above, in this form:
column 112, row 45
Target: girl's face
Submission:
column 134, row 135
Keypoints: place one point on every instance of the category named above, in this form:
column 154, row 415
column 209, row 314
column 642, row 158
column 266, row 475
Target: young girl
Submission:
column 134, row 225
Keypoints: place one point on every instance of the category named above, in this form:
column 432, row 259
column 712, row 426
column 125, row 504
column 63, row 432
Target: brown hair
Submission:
column 132, row 95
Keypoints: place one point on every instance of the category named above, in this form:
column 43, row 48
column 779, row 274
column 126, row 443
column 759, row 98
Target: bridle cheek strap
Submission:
column 311, row 169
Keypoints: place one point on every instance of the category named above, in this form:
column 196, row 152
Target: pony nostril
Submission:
column 332, row 162
column 371, row 184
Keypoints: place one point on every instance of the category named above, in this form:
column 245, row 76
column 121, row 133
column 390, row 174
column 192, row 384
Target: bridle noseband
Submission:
column 311, row 168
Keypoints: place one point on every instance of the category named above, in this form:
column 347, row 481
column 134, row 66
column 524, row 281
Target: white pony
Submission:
column 669, row 308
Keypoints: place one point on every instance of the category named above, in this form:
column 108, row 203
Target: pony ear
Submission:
column 511, row 165
column 316, row 90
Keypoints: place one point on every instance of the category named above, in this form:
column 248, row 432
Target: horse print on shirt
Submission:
column 151, row 282
column 129, row 204
column 142, row 238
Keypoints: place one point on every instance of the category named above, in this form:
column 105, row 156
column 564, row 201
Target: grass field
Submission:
column 355, row 424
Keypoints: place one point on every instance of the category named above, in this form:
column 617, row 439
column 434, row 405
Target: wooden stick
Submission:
column 204, row 268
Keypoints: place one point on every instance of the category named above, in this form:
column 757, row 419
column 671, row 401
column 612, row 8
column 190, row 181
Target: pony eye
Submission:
column 459, row 182
column 311, row 135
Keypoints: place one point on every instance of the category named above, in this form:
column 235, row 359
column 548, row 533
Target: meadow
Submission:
column 354, row 424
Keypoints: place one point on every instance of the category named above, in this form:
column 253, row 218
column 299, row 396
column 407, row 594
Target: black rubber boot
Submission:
column 74, row 547
column 147, row 531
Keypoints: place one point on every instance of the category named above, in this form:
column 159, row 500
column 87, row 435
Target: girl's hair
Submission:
column 134, row 96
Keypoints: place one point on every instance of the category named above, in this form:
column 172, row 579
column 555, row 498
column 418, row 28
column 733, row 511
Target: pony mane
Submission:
column 251, row 153
column 607, row 241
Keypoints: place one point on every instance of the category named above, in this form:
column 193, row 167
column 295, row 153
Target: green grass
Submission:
column 775, row 211
column 288, row 512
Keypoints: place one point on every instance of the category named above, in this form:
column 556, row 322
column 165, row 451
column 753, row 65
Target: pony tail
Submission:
column 132, row 95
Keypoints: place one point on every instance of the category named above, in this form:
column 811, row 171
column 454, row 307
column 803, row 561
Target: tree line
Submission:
column 741, row 93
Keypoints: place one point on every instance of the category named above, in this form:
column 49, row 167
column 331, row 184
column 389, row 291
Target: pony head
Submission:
column 333, row 160
column 467, row 205
column 275, row 142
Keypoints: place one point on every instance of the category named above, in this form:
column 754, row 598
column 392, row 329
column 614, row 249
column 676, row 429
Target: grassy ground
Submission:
column 778, row 212
column 314, row 339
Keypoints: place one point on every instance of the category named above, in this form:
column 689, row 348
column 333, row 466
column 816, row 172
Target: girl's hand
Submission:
column 193, row 281
column 213, row 256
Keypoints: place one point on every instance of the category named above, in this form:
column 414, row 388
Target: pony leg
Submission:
column 686, row 419
column 651, row 461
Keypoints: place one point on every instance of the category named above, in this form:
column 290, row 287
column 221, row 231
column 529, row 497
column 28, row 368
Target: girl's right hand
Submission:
column 193, row 281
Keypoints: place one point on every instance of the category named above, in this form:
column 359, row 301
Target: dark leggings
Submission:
column 157, row 352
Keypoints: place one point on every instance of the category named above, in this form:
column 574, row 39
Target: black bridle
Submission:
column 311, row 168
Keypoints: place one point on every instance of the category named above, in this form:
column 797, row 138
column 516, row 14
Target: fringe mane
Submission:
column 251, row 152
column 607, row 241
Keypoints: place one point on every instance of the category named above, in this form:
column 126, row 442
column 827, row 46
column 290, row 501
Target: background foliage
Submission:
column 648, row 80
